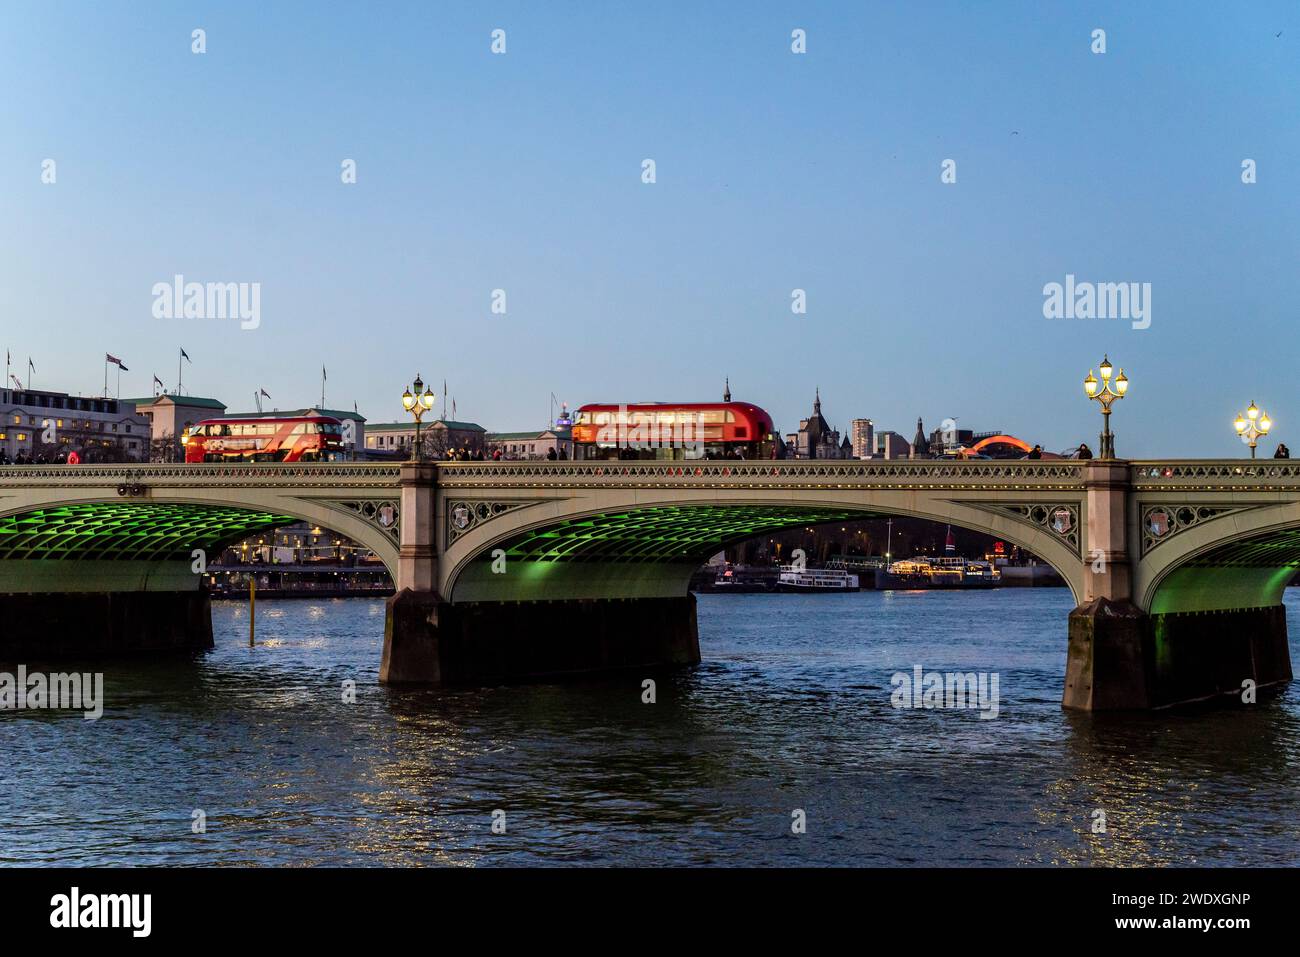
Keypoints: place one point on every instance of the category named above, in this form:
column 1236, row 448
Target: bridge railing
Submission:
column 269, row 475
column 766, row 474
column 1215, row 474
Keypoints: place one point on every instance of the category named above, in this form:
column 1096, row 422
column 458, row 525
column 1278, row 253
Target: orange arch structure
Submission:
column 998, row 440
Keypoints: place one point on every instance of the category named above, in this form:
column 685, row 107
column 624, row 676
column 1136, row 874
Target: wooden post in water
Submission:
column 252, row 608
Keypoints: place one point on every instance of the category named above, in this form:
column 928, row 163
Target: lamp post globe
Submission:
column 417, row 403
column 1251, row 425
column 1106, row 392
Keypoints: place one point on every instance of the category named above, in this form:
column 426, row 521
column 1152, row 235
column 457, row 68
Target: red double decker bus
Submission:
column 316, row 438
column 666, row 430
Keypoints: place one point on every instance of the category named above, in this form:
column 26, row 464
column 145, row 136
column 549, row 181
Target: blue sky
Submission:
column 775, row 171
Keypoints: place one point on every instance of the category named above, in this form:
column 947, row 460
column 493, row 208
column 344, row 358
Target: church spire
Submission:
column 920, row 445
column 817, row 401
column 726, row 393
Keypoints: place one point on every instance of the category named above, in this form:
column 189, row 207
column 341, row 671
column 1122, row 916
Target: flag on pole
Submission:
column 16, row 380
column 109, row 357
column 186, row 356
column 453, row 410
column 159, row 382
column 265, row 393
column 322, row 372
column 30, row 367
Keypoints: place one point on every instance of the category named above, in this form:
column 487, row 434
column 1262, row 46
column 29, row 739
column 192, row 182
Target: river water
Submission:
column 788, row 719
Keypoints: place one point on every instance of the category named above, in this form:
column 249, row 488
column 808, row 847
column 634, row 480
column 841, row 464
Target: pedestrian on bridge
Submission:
column 1084, row 452
column 1282, row 452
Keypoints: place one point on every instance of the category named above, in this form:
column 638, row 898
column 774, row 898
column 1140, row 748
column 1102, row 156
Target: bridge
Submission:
column 513, row 570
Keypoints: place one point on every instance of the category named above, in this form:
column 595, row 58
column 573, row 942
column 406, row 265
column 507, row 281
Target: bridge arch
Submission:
column 61, row 539
column 636, row 543
column 1216, row 556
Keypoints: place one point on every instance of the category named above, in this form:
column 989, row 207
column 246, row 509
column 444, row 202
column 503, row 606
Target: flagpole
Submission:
column 105, row 375
column 119, row 382
column 178, row 371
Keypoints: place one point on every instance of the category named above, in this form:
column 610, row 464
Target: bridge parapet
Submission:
column 262, row 475
column 1211, row 475
column 886, row 474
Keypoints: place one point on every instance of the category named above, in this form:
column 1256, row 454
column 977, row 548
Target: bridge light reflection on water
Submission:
column 790, row 709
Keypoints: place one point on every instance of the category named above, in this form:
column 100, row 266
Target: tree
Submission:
column 163, row 448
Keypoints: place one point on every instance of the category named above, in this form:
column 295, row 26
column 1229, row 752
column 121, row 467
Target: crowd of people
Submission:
column 466, row 454
column 26, row 458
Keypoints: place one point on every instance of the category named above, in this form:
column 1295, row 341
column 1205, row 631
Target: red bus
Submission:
column 668, row 430
column 316, row 438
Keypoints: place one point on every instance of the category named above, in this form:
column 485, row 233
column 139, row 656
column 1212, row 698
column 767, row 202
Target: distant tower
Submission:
column 864, row 438
column 726, row 393
column 920, row 445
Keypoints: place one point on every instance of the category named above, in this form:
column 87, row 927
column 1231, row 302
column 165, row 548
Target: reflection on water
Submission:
column 790, row 710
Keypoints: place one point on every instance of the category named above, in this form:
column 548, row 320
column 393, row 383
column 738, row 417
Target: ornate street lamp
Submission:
column 417, row 403
column 1253, row 424
column 1106, row 392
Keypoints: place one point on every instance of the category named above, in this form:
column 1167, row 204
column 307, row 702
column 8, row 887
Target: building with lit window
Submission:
column 863, row 434
column 42, row 426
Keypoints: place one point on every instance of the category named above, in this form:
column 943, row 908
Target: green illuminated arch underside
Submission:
column 127, row 531
column 1251, row 573
column 671, row 534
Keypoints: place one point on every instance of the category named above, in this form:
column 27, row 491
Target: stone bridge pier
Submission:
column 1138, row 640
column 430, row 640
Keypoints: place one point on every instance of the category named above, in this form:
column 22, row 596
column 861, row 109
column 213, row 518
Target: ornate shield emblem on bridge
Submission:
column 1157, row 523
column 386, row 515
column 461, row 516
column 1062, row 521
